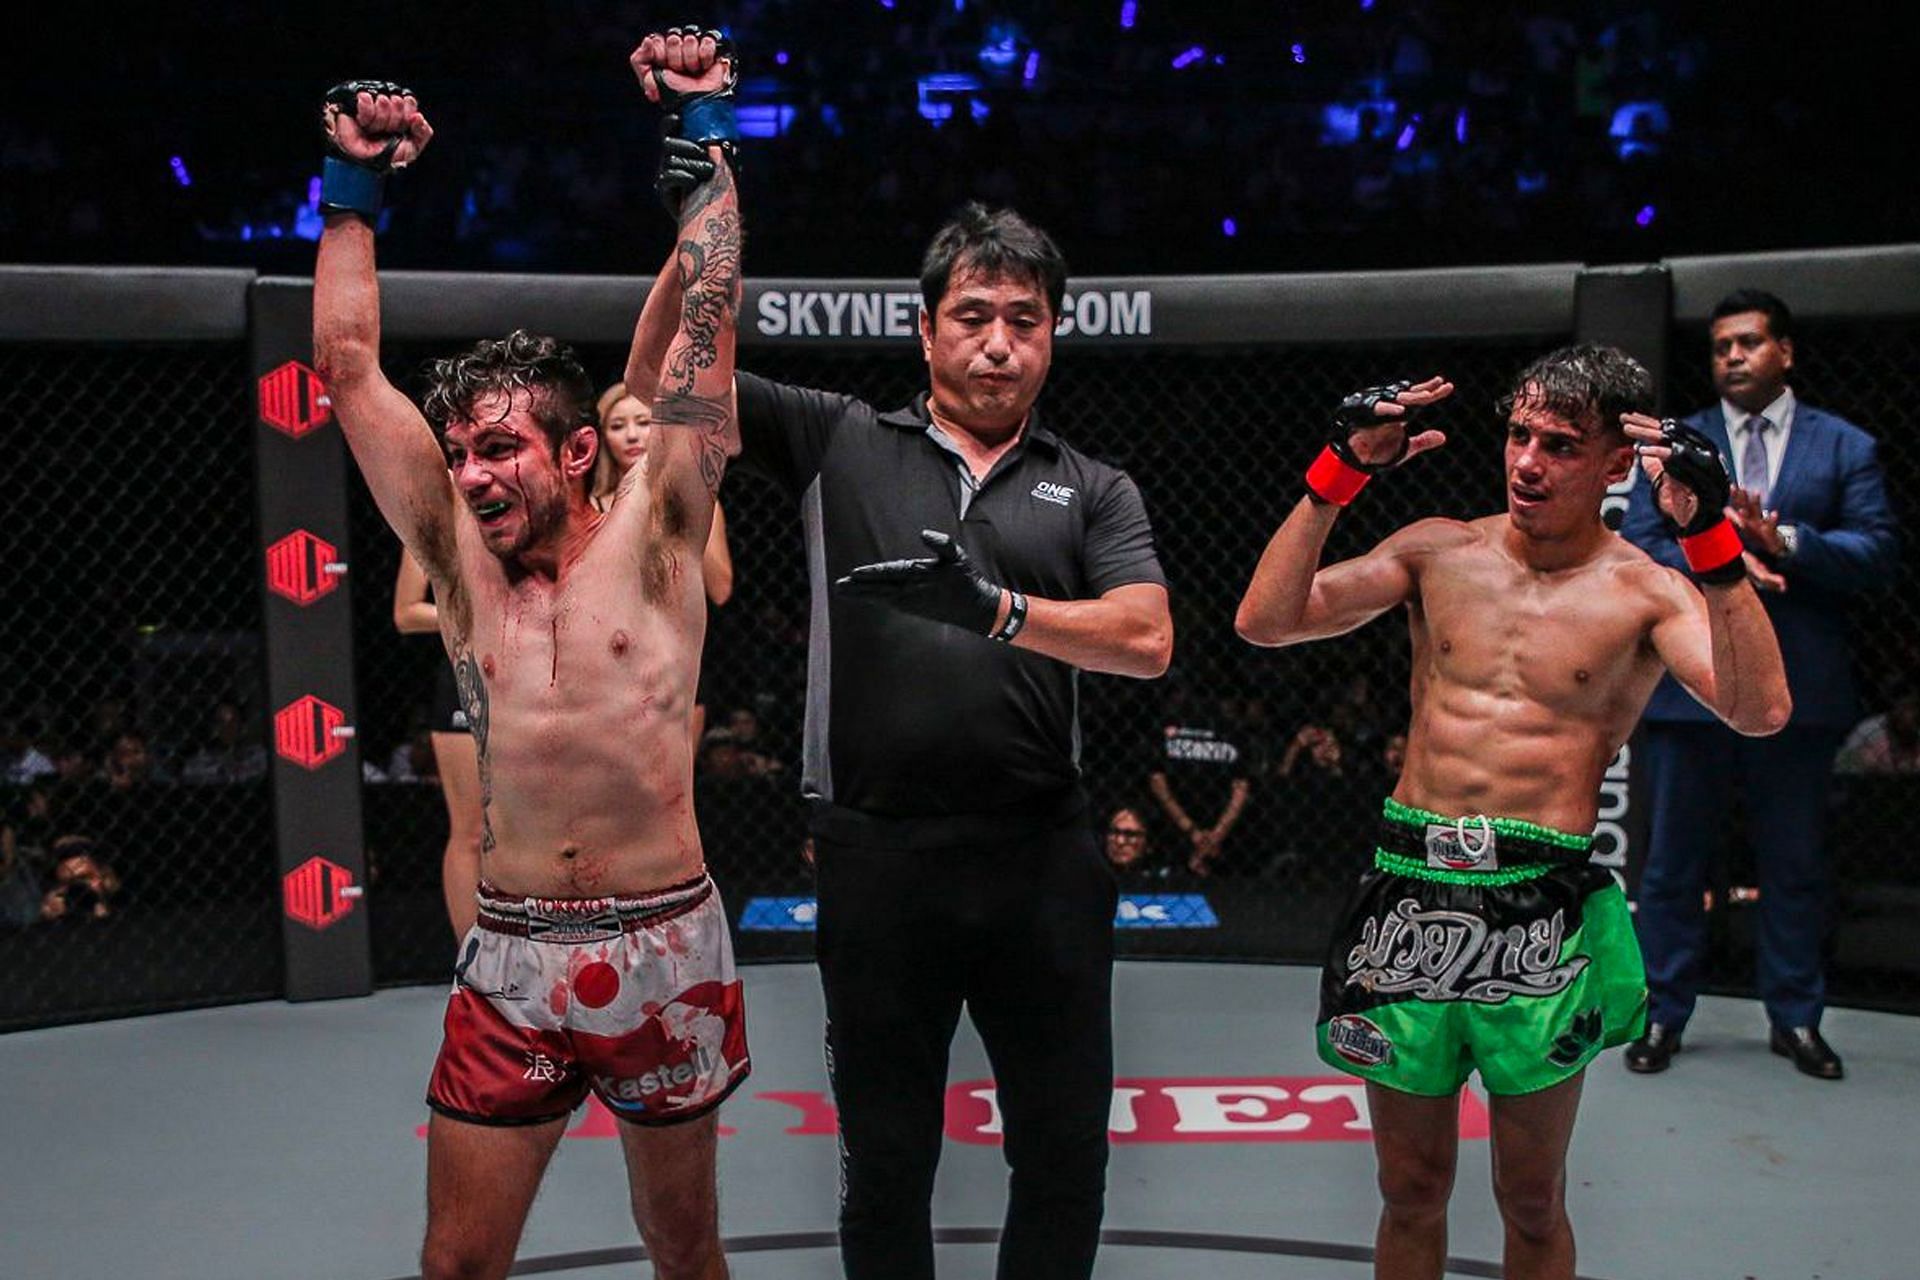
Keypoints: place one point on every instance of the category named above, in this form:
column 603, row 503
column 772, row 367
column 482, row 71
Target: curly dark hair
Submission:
column 1588, row 385
column 995, row 242
column 562, row 394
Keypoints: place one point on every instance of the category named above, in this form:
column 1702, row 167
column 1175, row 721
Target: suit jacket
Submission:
column 1831, row 488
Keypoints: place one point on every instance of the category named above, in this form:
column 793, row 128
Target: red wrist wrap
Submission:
column 1712, row 548
column 1332, row 480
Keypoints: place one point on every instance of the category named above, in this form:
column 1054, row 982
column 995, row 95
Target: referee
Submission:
column 966, row 564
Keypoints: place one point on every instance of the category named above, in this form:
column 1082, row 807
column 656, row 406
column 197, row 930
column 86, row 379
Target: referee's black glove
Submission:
column 944, row 586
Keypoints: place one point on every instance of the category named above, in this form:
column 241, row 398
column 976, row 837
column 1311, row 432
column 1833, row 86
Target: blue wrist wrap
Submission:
column 710, row 120
column 346, row 187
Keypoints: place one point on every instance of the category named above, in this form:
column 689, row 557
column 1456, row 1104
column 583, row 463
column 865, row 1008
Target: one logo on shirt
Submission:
column 1059, row 495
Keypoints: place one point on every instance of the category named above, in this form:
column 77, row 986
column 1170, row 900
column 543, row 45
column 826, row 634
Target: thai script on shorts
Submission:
column 1456, row 955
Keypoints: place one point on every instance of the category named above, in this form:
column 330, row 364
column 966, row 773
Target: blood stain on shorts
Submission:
column 596, row 984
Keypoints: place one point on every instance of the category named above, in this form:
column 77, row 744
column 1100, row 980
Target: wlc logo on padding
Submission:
column 294, row 401
column 310, row 732
column 319, row 893
column 302, row 567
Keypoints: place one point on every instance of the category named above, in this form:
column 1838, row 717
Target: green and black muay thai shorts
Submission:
column 1486, row 944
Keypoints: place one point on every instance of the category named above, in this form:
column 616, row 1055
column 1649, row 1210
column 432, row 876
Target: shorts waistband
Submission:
column 589, row 919
column 1477, row 849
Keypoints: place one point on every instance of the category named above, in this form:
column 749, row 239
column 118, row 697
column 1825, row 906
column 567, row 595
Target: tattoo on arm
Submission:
column 707, row 263
column 710, row 419
column 709, row 268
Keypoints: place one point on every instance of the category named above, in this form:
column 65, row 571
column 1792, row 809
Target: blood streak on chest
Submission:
column 620, row 644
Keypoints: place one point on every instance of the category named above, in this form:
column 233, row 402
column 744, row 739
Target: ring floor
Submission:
column 280, row 1140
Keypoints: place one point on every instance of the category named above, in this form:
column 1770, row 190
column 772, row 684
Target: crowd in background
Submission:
column 1147, row 135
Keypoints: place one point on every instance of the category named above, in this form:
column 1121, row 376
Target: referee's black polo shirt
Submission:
column 917, row 732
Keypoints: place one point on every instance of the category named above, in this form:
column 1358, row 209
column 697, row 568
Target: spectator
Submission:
column 1315, row 752
column 1128, row 845
column 21, row 760
column 23, row 855
column 1201, row 775
column 129, row 765
column 228, row 756
column 83, row 886
column 755, row 761
column 720, row 756
column 1393, row 755
column 1886, row 743
column 1811, row 508
column 413, row 760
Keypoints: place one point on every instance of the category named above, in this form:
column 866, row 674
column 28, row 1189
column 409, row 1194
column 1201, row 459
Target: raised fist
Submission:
column 375, row 124
column 682, row 63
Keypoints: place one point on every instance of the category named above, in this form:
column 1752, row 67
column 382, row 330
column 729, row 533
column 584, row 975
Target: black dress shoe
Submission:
column 1808, row 1051
column 1654, row 1051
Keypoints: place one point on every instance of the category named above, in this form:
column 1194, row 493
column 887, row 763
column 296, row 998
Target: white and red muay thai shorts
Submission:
column 632, row 998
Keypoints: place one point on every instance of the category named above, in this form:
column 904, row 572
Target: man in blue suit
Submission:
column 1811, row 508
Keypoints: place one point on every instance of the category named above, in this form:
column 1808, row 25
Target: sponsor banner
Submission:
column 893, row 314
column 1145, row 1111
column 1164, row 911
column 1136, row 911
column 778, row 915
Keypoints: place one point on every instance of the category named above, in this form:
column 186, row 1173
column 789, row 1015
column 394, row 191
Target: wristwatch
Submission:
column 1789, row 540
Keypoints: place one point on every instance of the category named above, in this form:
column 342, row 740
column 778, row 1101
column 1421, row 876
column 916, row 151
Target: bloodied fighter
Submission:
column 1484, row 938
column 600, row 961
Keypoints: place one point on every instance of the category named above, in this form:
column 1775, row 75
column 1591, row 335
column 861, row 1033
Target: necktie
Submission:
column 1753, row 458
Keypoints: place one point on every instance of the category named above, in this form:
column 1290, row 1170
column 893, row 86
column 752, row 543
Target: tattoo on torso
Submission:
column 473, row 696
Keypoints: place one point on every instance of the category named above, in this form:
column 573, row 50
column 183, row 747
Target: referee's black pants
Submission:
column 1021, row 933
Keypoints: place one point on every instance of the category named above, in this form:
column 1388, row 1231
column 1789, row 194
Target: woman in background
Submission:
column 414, row 613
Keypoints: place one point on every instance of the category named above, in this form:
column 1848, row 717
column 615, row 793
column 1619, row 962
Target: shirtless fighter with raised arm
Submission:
column 1483, row 937
column 601, row 959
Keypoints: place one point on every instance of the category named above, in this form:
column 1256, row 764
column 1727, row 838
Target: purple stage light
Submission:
column 1229, row 228
column 180, row 174
column 1460, row 126
column 1300, row 54
column 1032, row 68
column 313, row 192
column 1405, row 140
column 1187, row 58
column 1646, row 215
column 781, row 57
column 1128, row 12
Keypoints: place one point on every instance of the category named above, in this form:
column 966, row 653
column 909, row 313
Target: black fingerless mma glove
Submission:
column 1339, row 474
column 1709, row 541
column 944, row 587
